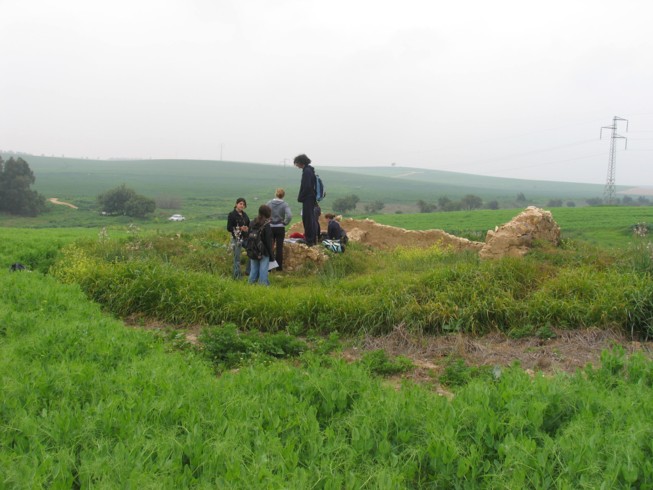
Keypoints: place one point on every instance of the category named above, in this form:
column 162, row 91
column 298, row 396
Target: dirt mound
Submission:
column 515, row 239
column 387, row 237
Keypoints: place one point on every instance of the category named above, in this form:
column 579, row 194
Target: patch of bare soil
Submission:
column 54, row 200
column 568, row 351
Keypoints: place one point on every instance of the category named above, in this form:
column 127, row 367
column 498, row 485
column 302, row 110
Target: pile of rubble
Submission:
column 513, row 239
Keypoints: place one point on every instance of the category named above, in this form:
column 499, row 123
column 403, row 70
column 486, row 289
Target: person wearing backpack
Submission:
column 238, row 226
column 308, row 197
column 281, row 216
column 259, row 246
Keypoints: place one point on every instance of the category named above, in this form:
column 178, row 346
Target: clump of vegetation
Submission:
column 124, row 201
column 227, row 348
column 458, row 373
column 640, row 229
column 378, row 362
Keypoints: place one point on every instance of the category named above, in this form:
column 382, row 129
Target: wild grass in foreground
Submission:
column 88, row 403
column 185, row 279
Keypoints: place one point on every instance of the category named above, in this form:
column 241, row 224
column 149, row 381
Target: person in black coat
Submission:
column 238, row 226
column 308, row 198
column 335, row 231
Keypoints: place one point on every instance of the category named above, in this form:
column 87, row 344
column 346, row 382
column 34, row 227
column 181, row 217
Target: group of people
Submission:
column 272, row 219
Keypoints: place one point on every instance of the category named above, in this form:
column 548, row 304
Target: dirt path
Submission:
column 55, row 200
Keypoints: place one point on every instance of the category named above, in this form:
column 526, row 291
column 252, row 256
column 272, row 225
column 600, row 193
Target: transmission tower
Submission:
column 608, row 192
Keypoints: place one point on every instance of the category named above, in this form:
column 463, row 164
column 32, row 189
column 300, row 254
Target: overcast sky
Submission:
column 505, row 88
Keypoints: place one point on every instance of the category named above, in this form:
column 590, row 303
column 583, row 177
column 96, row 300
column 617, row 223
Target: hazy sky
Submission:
column 507, row 88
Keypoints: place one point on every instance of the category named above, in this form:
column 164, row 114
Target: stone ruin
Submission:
column 513, row 239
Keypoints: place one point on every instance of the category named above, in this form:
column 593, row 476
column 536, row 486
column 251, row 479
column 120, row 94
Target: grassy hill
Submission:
column 216, row 184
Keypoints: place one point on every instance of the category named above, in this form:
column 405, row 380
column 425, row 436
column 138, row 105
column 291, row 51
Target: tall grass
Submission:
column 185, row 279
column 88, row 403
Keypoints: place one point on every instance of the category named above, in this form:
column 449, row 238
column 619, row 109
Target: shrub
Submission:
column 378, row 362
column 227, row 348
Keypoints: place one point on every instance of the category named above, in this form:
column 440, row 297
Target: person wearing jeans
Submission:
column 259, row 265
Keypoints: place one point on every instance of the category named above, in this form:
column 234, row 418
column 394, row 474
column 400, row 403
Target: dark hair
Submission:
column 264, row 213
column 302, row 160
column 241, row 199
column 330, row 216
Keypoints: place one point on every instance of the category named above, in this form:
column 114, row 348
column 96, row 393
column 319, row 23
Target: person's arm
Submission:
column 287, row 218
column 245, row 228
column 231, row 223
column 267, row 235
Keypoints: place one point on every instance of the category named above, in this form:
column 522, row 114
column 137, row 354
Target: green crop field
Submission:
column 102, row 388
column 207, row 187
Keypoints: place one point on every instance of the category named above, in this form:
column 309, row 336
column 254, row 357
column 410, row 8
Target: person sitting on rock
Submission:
column 335, row 231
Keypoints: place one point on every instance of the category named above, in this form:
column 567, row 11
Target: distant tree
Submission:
column 344, row 204
column 643, row 200
column 554, row 203
column 426, row 207
column 452, row 206
column 627, row 201
column 470, row 201
column 16, row 197
column 123, row 200
column 571, row 204
column 521, row 198
column 492, row 205
column 594, row 201
column 443, row 202
column 374, row 206
column 139, row 206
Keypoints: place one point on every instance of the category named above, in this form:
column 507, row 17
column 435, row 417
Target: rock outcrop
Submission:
column 297, row 255
column 515, row 239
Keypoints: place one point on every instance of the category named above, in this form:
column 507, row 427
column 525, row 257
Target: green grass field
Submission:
column 264, row 399
column 221, row 182
column 88, row 403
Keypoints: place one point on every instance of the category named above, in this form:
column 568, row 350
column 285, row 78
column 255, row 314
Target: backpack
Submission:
column 255, row 246
column 320, row 191
column 333, row 245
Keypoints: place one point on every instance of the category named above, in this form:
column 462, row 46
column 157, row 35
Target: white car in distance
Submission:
column 176, row 217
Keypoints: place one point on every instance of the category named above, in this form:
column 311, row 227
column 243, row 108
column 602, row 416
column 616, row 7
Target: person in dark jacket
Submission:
column 238, row 226
column 335, row 231
column 281, row 216
column 259, row 267
column 307, row 197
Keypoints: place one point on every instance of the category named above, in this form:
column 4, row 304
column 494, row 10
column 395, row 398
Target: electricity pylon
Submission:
column 608, row 192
